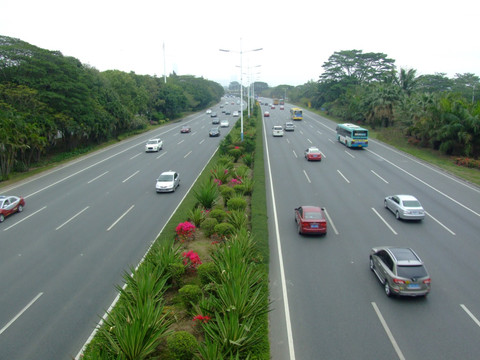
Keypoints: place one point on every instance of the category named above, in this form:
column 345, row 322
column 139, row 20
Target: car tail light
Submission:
column 398, row 281
column 427, row 281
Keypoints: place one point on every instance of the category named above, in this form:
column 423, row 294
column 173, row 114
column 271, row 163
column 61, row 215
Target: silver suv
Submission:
column 400, row 270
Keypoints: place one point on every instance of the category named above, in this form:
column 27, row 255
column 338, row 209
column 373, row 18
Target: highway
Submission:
column 327, row 304
column 84, row 225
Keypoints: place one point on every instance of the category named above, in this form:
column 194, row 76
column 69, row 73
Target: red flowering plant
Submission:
column 236, row 181
column 202, row 318
column 191, row 259
column 185, row 231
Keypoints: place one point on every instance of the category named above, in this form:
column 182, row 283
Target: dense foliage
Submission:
column 50, row 102
column 366, row 88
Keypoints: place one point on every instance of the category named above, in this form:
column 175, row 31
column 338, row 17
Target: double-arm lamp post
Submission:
column 241, row 82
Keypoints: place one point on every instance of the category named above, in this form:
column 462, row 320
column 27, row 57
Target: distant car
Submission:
column 154, row 145
column 209, row 111
column 221, row 106
column 310, row 220
column 215, row 131
column 168, row 181
column 400, row 270
column 216, row 121
column 227, row 112
column 277, row 130
column 235, row 113
column 224, row 123
column 213, row 114
column 266, row 114
column 289, row 126
column 9, row 205
column 313, row 154
column 405, row 207
column 185, row 129
column 272, row 107
column 282, row 107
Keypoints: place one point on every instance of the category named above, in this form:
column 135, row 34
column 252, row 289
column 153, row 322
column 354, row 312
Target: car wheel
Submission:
column 372, row 265
column 387, row 289
column 397, row 215
column 20, row 208
column 2, row 218
column 299, row 229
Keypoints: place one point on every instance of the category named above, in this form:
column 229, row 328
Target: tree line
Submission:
column 50, row 102
column 367, row 89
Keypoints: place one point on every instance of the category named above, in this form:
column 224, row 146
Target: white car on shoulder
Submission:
column 154, row 145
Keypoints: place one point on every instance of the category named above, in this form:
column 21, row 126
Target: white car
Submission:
column 405, row 207
column 277, row 130
column 168, row 181
column 224, row 123
column 209, row 111
column 235, row 113
column 154, row 145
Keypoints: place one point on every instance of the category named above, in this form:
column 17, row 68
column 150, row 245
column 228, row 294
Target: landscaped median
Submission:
column 202, row 290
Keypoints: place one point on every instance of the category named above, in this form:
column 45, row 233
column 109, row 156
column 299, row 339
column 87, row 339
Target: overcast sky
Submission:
column 296, row 36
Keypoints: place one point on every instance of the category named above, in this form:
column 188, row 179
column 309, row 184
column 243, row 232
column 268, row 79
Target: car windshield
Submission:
column 152, row 142
column 165, row 178
column 314, row 150
column 409, row 272
column 313, row 215
column 411, row 204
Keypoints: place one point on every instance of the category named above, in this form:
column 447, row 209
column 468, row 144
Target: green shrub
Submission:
column 207, row 194
column 248, row 159
column 182, row 345
column 235, row 153
column 239, row 189
column 208, row 226
column 207, row 272
column 242, row 171
column 238, row 219
column 226, row 161
column 218, row 214
column 248, row 186
column 190, row 294
column 196, row 216
column 224, row 229
column 227, row 192
column 175, row 272
column 237, row 203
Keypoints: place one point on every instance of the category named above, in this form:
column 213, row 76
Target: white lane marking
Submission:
column 73, row 217
column 163, row 153
column 134, row 156
column 288, row 141
column 318, row 131
column 280, row 259
column 384, row 221
column 439, row 223
column 180, row 142
column 301, row 132
column 308, row 179
column 389, row 333
column 201, row 142
column 295, row 154
column 310, row 141
column 330, row 221
column 348, row 153
column 331, row 141
column 475, row 320
column 98, row 177
column 187, row 154
column 120, row 218
column 25, row 218
column 426, row 184
column 128, row 178
column 323, row 155
column 343, row 176
column 20, row 313
column 381, row 178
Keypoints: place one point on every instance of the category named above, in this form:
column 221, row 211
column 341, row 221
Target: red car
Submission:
column 312, row 153
column 10, row 205
column 185, row 129
column 266, row 114
column 310, row 220
column 282, row 107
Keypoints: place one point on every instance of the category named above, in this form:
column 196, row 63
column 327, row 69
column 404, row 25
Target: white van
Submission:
column 277, row 130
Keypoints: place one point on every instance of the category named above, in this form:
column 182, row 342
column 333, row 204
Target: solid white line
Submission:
column 379, row 176
column 426, row 184
column 308, row 179
column 330, row 221
column 20, row 313
column 98, row 177
column 389, row 333
column 128, row 178
column 439, row 223
column 375, row 211
column 73, row 217
column 470, row 314
column 187, row 154
column 349, row 154
column 343, row 176
column 280, row 259
column 25, row 218
column 120, row 218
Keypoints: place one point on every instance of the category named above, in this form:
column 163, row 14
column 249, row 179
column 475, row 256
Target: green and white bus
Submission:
column 352, row 135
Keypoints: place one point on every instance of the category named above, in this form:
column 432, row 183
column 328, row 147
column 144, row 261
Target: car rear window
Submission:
column 411, row 271
column 411, row 203
column 313, row 216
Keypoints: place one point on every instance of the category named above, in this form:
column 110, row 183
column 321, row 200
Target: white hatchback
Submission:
column 154, row 145
column 277, row 130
